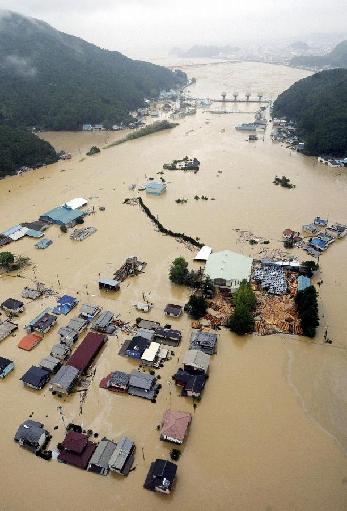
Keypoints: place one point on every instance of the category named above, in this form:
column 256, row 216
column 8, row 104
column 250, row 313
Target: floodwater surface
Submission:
column 270, row 430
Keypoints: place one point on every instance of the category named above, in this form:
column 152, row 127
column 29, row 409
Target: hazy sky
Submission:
column 152, row 27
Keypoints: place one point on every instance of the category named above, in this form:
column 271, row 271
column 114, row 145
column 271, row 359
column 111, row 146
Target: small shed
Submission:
column 60, row 351
column 109, row 284
column 122, row 458
column 161, row 476
column 174, row 427
column 35, row 378
column 51, row 364
column 6, row 366
column 155, row 188
column 203, row 254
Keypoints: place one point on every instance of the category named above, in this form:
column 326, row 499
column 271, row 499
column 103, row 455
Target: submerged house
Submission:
column 29, row 341
column 76, row 450
column 174, row 427
column 196, row 361
column 122, row 458
column 32, row 436
column 62, row 215
column 65, row 379
column 99, row 462
column 168, row 336
column 204, row 341
column 42, row 323
column 6, row 366
column 104, row 322
column 192, row 384
column 87, row 351
column 136, row 347
column 172, row 310
column 142, row 385
column 109, row 284
column 12, row 306
column 35, row 378
column 65, row 305
column 75, row 325
column 161, row 476
column 7, row 328
column 60, row 351
column 118, row 381
column 228, row 269
column 50, row 363
column 155, row 188
column 89, row 312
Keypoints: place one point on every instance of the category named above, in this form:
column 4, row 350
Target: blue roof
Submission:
column 319, row 243
column 34, row 234
column 12, row 230
column 155, row 187
column 62, row 215
column 44, row 243
column 303, row 282
column 65, row 304
column 67, row 299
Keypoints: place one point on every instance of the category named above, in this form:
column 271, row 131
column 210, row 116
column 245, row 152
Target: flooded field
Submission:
column 270, row 430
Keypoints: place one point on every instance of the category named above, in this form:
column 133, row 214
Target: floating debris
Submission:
column 82, row 234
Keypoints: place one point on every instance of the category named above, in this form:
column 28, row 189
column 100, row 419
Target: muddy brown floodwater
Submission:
column 270, row 431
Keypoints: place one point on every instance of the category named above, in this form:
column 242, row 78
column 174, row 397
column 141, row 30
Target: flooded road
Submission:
column 270, row 430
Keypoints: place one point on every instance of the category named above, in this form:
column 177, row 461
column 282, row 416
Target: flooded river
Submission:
column 270, row 432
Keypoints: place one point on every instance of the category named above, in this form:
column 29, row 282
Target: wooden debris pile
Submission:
column 130, row 268
column 219, row 310
column 276, row 314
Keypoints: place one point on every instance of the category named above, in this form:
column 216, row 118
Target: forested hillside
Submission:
column 318, row 106
column 20, row 148
column 56, row 81
column 336, row 58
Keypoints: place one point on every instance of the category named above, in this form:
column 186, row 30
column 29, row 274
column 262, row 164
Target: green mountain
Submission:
column 318, row 106
column 336, row 58
column 20, row 148
column 56, row 81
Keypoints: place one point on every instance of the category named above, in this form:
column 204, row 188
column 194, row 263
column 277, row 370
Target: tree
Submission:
column 197, row 306
column 179, row 272
column 242, row 321
column 6, row 259
column 307, row 307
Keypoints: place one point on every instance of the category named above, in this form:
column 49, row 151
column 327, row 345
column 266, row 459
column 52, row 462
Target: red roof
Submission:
column 86, row 351
column 75, row 442
column 28, row 342
column 175, row 425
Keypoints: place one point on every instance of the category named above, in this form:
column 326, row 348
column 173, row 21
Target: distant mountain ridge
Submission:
column 53, row 80
column 335, row 59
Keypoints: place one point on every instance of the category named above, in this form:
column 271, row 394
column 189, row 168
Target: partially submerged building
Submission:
column 65, row 304
column 204, row 341
column 60, row 351
column 63, row 382
column 196, row 361
column 76, row 450
column 30, row 341
column 99, row 462
column 42, row 323
column 32, row 436
column 142, row 385
column 175, row 425
column 104, row 323
column 122, row 458
column 117, row 381
column 51, row 364
column 173, row 310
column 12, row 306
column 62, row 215
column 192, row 383
column 203, row 254
column 109, row 284
column 155, row 188
column 228, row 269
column 35, row 378
column 7, row 328
column 89, row 312
column 161, row 476
column 87, row 351
column 168, row 336
column 6, row 366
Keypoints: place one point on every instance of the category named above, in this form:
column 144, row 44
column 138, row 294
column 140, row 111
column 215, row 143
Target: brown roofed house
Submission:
column 175, row 426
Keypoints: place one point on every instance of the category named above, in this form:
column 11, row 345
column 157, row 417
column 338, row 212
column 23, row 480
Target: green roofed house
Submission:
column 228, row 269
column 62, row 216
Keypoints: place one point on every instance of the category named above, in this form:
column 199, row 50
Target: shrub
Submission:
column 197, row 306
column 6, row 259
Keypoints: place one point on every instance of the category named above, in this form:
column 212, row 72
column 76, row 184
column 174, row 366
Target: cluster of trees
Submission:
column 197, row 306
column 6, row 260
column 318, row 106
column 181, row 275
column 307, row 307
column 242, row 320
column 20, row 148
column 147, row 130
